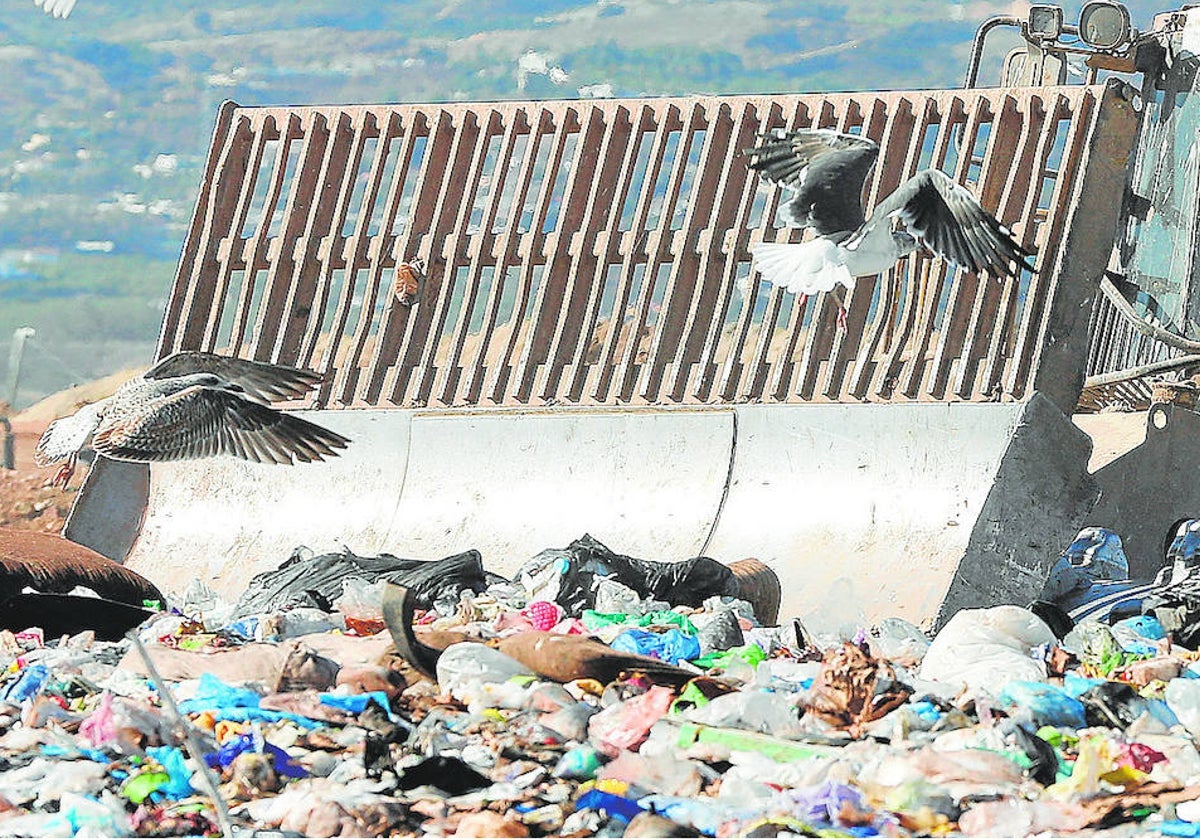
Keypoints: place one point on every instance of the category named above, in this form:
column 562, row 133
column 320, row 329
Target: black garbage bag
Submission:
column 581, row 564
column 317, row 580
column 1113, row 704
column 61, row 614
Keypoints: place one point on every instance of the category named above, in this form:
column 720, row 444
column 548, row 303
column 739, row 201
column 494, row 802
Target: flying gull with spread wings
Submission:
column 823, row 172
column 56, row 8
column 195, row 405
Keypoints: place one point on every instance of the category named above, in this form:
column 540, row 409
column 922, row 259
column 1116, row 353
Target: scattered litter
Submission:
column 599, row 695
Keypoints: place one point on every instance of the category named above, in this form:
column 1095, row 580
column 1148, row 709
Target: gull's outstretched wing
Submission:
column 949, row 220
column 67, row 435
column 199, row 422
column 261, row 380
column 823, row 169
column 55, row 8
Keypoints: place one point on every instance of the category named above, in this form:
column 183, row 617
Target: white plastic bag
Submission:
column 986, row 649
column 1183, row 696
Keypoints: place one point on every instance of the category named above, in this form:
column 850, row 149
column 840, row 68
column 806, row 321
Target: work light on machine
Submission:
column 1045, row 22
column 1104, row 25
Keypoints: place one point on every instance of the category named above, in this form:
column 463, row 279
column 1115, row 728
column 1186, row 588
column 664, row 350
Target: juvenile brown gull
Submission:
column 195, row 405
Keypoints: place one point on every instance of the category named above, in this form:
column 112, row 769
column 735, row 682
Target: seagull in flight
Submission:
column 823, row 172
column 55, row 8
column 194, row 405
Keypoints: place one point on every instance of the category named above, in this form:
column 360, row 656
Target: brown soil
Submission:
column 27, row 501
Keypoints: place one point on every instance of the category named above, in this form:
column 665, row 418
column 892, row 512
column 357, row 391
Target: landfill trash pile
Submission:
column 574, row 701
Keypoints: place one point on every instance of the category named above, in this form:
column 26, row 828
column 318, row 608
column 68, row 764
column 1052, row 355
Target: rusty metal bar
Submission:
column 394, row 316
column 593, row 252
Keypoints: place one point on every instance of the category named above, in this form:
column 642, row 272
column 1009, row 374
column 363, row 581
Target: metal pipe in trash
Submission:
column 224, row 820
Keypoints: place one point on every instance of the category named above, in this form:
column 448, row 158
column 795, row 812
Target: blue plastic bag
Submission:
column 1047, row 704
column 213, row 694
column 285, row 765
column 1146, row 626
column 617, row 806
column 1179, row 828
column 1075, row 685
column 697, row 813
column 172, row 760
column 356, row 703
column 30, row 684
column 670, row 646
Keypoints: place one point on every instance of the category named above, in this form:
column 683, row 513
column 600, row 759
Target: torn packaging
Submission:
column 852, row 689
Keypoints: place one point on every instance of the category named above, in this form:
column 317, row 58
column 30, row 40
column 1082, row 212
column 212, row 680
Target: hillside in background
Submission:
column 106, row 116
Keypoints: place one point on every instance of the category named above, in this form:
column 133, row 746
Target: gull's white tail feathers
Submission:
column 804, row 267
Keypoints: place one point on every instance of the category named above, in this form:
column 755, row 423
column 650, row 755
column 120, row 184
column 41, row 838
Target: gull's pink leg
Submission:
column 841, row 316
column 65, row 472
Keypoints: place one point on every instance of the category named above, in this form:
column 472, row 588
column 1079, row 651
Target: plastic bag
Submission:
column 304, row 580
column 178, row 784
column 124, row 726
column 987, row 649
column 581, row 565
column 1094, row 644
column 898, row 641
column 671, row 646
column 624, row 726
column 253, row 742
column 700, row 814
column 481, row 676
column 82, row 777
column 212, row 693
column 749, row 654
column 612, row 596
column 542, row 615
column 27, row 686
column 1046, row 704
column 659, row 772
column 360, row 599
column 468, row 662
column 752, row 710
column 721, row 632
column 1183, row 697
column 617, row 806
column 361, row 604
